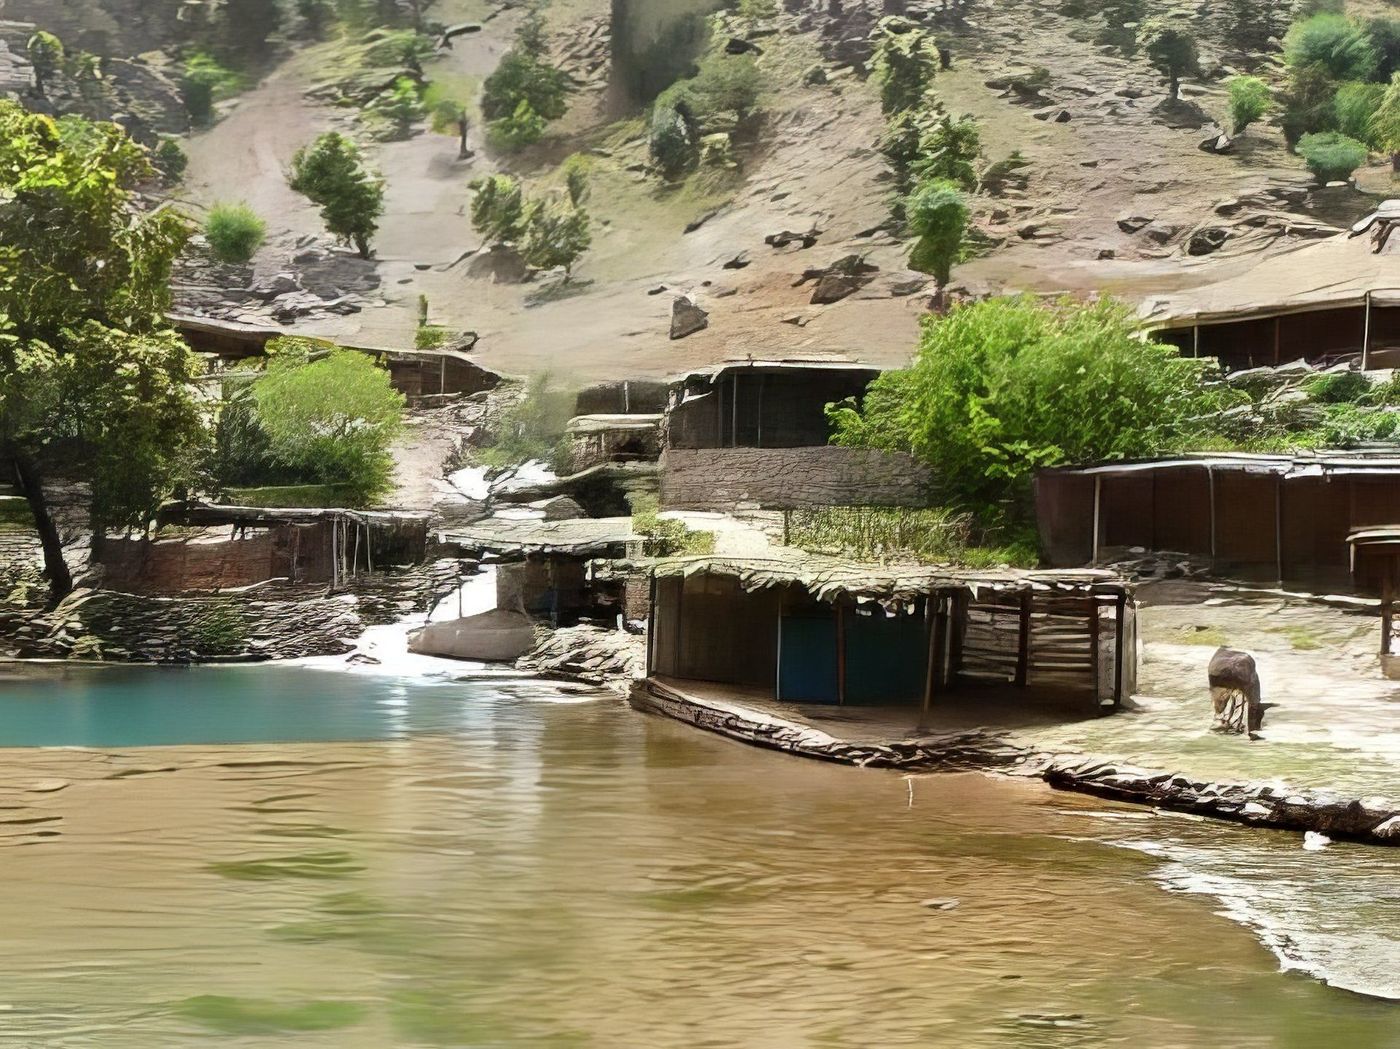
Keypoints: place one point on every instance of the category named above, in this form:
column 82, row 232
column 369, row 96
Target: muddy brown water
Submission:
column 496, row 863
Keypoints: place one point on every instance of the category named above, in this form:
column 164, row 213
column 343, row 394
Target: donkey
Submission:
column 1234, row 692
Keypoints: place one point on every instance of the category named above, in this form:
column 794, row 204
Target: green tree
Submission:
column 498, row 209
column 1333, row 42
column 1308, row 102
column 1385, row 122
column 906, row 61
column 206, row 82
column 556, row 235
column 1385, row 39
column 329, row 414
column 331, row 174
column 1331, row 156
column 1249, row 100
column 1171, row 50
column 399, row 108
column 1002, row 387
column 937, row 215
column 170, row 160
column 46, row 56
column 576, row 169
column 84, row 288
column 948, row 150
column 525, row 92
column 234, row 232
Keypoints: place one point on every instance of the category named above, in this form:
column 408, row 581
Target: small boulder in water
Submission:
column 1315, row 842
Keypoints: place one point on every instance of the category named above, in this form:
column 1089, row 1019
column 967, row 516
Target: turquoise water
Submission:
column 399, row 862
column 172, row 706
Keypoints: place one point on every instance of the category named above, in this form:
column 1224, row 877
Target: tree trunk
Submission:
column 362, row 245
column 31, row 485
column 1395, row 163
column 1175, row 88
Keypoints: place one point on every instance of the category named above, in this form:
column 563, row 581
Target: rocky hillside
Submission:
column 786, row 245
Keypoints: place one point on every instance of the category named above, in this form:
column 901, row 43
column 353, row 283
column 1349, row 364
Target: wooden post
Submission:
column 1278, row 527
column 1210, row 480
column 762, row 380
column 335, row 554
column 442, row 375
column 1277, row 339
column 957, row 625
column 778, row 665
column 1098, row 496
column 1023, row 641
column 734, row 411
column 1094, row 645
column 1366, row 337
column 1387, row 596
column 932, row 614
column 1118, row 650
column 841, row 652
column 1195, row 340
column 651, row 624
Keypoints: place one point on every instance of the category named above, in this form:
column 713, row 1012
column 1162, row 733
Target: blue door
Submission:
column 807, row 663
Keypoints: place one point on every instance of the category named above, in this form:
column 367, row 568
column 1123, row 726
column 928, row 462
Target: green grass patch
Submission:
column 933, row 536
column 229, row 1015
column 1301, row 638
column 297, row 495
column 15, row 514
column 1200, row 635
column 313, row 865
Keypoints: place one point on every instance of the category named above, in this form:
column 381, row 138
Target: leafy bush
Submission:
column 533, row 427
column 556, row 236
column 1333, row 42
column 1002, row 387
column 1331, row 156
column 1385, row 122
column 206, row 82
column 234, row 232
column 331, row 175
column 666, row 538
column 576, row 169
column 1249, row 100
column 329, row 414
column 1385, row 38
column 522, row 128
column 1171, row 49
column 498, row 209
column 45, row 55
column 170, row 160
column 1355, row 106
column 948, row 150
column 725, row 89
column 937, row 215
column 672, row 141
column 1339, row 388
column 1308, row 102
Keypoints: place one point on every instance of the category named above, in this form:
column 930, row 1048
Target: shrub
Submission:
column 1002, row 387
column 937, row 215
column 666, row 538
column 206, row 82
column 576, row 169
column 498, row 209
column 1308, row 102
column 45, row 55
column 235, row 233
column 1249, row 100
column 948, row 150
column 1355, row 106
column 170, row 160
column 1335, row 43
column 1339, row 388
column 1171, row 50
column 1385, row 122
column 556, row 236
column 1385, row 38
column 399, row 107
column 533, row 427
column 1331, row 156
column 671, row 141
column 331, row 175
column 726, row 87
column 399, row 47
column 522, row 128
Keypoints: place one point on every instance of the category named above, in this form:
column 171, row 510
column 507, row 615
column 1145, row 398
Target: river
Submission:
column 276, row 856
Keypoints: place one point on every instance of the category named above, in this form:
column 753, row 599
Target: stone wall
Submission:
column 790, row 478
column 266, row 622
column 139, row 566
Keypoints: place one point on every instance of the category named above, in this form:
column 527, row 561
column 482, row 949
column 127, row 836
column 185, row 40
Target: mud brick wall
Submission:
column 791, row 478
column 172, row 567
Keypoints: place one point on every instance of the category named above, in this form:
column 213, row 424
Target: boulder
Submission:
column 1162, row 232
column 1205, row 241
column 1133, row 223
column 1217, row 142
column 687, row 318
column 498, row 636
column 834, row 287
column 1054, row 114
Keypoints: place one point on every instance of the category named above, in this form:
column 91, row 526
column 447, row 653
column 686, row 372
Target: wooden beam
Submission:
column 841, row 652
column 651, row 623
column 1278, row 528
column 1098, row 497
column 1366, row 337
column 1387, row 599
column 1118, row 650
column 1023, row 641
column 958, row 625
column 931, row 615
column 1094, row 646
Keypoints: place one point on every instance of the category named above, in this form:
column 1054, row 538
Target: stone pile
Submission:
column 592, row 654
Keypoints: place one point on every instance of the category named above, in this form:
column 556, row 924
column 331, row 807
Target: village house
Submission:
column 1339, row 298
column 812, row 630
column 414, row 373
column 192, row 553
column 1274, row 518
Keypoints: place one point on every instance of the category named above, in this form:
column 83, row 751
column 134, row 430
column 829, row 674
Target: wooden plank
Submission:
column 841, row 653
column 1023, row 640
